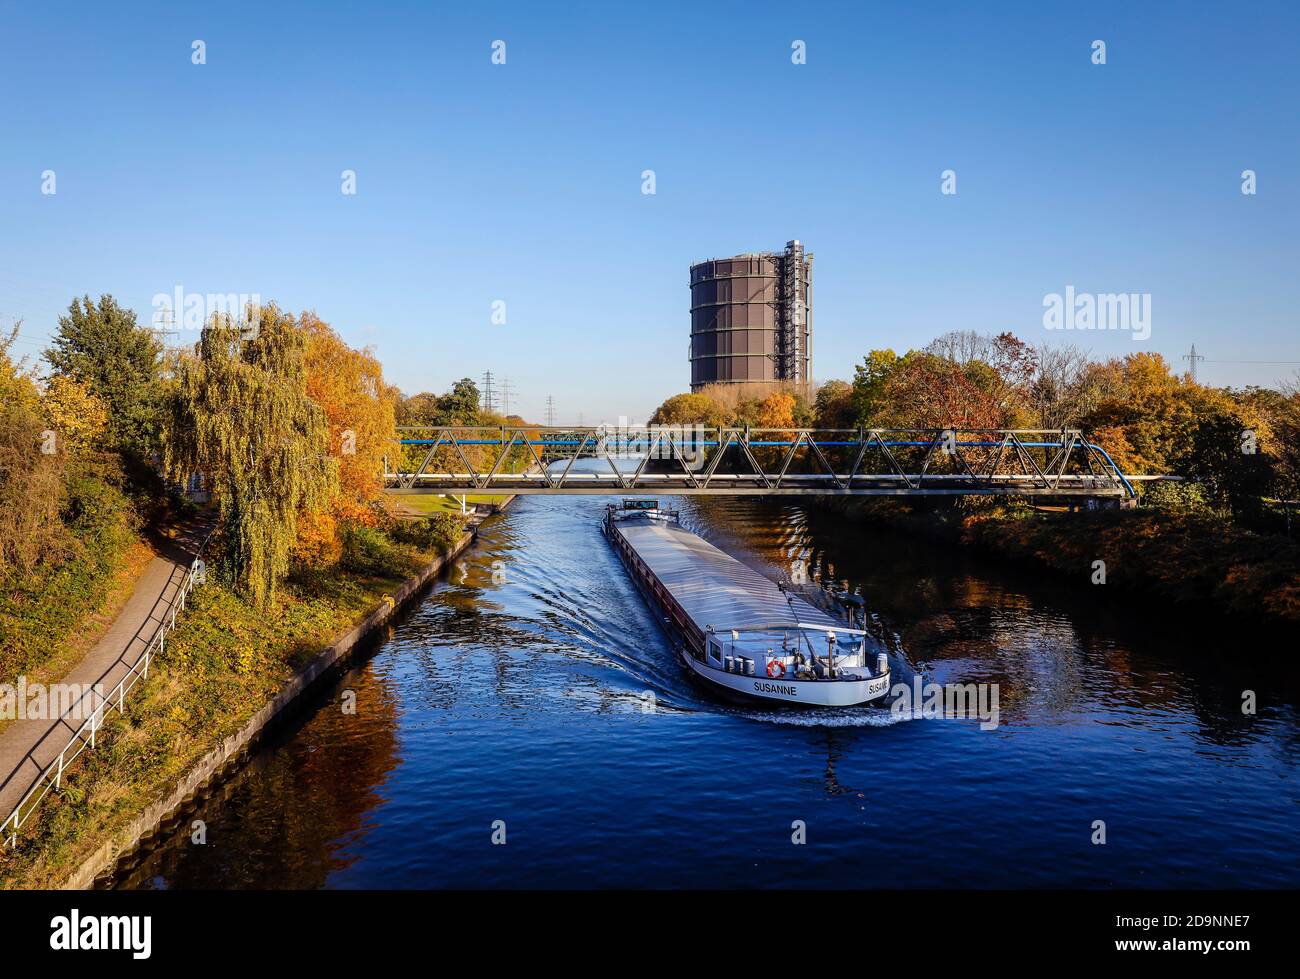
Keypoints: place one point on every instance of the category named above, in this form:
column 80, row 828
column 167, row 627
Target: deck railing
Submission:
column 693, row 459
column 51, row 777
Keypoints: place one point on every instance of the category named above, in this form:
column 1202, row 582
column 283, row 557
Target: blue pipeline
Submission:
column 1106, row 455
column 690, row 443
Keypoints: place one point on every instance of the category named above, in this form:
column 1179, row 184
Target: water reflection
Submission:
column 336, row 770
column 534, row 686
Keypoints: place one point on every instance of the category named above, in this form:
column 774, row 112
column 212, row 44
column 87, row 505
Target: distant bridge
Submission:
column 693, row 460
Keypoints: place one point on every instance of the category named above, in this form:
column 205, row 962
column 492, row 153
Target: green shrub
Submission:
column 439, row 532
column 40, row 607
column 369, row 551
column 1176, row 497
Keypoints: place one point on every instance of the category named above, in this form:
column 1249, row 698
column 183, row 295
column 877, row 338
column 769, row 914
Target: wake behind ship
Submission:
column 738, row 631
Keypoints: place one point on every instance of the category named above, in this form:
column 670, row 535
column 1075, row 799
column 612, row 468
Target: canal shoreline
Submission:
column 235, row 749
column 1139, row 556
column 520, row 697
column 218, row 765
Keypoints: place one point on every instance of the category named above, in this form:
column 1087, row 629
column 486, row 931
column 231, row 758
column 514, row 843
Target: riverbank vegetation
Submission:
column 286, row 428
column 1202, row 561
column 229, row 658
column 1223, row 536
column 73, row 496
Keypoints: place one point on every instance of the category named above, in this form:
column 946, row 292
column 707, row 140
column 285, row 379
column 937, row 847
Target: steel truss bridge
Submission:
column 693, row 460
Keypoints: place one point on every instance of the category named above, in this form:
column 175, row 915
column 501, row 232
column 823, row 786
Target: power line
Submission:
column 507, row 390
column 1282, row 363
column 168, row 329
column 1193, row 357
column 550, row 411
column 489, row 397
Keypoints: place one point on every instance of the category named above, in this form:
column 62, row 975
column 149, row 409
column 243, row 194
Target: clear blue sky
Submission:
column 522, row 182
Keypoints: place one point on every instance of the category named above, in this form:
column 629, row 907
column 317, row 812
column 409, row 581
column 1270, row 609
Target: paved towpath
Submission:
column 28, row 746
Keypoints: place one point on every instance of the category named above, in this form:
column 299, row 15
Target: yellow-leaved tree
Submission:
column 776, row 410
column 78, row 417
column 31, row 484
column 348, row 386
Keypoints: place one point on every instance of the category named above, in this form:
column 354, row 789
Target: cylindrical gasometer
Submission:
column 750, row 318
column 733, row 319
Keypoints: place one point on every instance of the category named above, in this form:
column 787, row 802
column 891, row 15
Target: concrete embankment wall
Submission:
column 236, row 747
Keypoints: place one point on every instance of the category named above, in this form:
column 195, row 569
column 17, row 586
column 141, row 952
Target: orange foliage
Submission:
column 318, row 544
column 349, row 387
column 925, row 391
column 1113, row 439
column 1202, row 561
column 776, row 411
column 1148, row 374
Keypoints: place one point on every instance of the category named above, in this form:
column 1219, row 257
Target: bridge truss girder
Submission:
column 745, row 461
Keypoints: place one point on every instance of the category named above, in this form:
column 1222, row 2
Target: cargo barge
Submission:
column 737, row 631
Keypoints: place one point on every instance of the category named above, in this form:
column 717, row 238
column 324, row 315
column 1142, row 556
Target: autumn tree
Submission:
column 79, row 419
column 31, row 490
column 1225, row 456
column 1284, row 417
column 241, row 414
column 869, row 379
column 833, row 406
column 1153, row 422
column 923, row 390
column 929, row 392
column 1002, row 366
column 690, row 409
column 1147, row 417
column 100, row 346
column 1236, row 445
column 348, row 385
column 776, row 411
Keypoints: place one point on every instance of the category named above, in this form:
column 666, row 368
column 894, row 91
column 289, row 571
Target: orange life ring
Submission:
column 775, row 668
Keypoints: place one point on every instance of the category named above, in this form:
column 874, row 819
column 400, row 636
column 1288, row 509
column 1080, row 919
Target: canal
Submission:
column 533, row 692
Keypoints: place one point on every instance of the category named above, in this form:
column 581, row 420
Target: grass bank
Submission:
column 50, row 613
column 1193, row 560
column 431, row 503
column 224, row 663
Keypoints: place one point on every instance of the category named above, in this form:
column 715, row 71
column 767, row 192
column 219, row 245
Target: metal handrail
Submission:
column 1041, row 456
column 51, row 777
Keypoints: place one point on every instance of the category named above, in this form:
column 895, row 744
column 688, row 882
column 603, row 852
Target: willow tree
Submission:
column 240, row 414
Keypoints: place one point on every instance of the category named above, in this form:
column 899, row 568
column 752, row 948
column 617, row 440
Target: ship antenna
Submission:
column 789, row 600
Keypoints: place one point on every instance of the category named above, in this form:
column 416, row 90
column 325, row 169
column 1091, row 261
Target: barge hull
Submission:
column 808, row 693
column 716, row 587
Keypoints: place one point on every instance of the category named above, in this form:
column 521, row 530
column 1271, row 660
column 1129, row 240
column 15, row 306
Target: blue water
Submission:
column 534, row 688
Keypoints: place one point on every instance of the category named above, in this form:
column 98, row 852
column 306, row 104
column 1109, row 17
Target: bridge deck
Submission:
column 767, row 462
column 730, row 484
